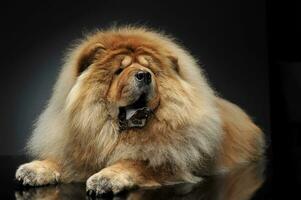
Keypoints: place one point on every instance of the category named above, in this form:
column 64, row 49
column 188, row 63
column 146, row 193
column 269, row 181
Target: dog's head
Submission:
column 126, row 76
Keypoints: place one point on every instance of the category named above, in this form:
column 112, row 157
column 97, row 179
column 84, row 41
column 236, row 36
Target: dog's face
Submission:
column 127, row 75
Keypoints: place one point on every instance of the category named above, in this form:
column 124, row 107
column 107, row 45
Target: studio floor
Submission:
column 249, row 182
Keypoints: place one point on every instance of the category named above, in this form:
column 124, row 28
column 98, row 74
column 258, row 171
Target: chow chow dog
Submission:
column 132, row 108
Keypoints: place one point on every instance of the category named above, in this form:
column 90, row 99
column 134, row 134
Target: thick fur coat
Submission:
column 191, row 132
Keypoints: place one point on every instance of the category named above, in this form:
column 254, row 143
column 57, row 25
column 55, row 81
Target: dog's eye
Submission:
column 118, row 71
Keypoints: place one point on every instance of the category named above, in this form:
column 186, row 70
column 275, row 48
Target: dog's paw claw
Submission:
column 36, row 174
column 101, row 184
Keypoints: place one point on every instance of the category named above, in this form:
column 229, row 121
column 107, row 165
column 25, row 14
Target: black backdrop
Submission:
column 284, row 30
column 229, row 37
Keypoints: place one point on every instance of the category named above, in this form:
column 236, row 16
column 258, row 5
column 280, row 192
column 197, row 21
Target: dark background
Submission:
column 251, row 52
column 229, row 37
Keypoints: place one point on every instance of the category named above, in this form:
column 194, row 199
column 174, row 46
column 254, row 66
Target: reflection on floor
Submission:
column 240, row 184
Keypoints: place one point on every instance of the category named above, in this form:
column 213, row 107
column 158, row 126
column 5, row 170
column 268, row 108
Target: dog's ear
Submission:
column 174, row 63
column 88, row 56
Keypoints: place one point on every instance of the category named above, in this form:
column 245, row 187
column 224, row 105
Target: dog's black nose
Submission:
column 144, row 77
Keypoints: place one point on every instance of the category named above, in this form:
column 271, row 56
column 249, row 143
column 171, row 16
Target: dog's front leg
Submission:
column 38, row 173
column 123, row 175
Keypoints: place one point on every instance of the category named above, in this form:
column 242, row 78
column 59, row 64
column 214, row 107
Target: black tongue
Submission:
column 134, row 117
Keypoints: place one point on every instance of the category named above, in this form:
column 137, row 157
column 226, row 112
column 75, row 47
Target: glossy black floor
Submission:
column 250, row 182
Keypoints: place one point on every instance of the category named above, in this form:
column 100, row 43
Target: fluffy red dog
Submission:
column 132, row 108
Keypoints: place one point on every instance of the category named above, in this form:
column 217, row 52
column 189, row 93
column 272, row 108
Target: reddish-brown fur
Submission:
column 191, row 132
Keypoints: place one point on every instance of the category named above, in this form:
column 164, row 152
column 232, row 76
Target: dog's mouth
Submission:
column 134, row 115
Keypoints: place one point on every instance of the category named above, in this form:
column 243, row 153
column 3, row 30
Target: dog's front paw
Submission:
column 37, row 173
column 108, row 181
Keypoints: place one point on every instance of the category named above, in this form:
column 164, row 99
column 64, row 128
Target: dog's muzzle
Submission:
column 136, row 114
